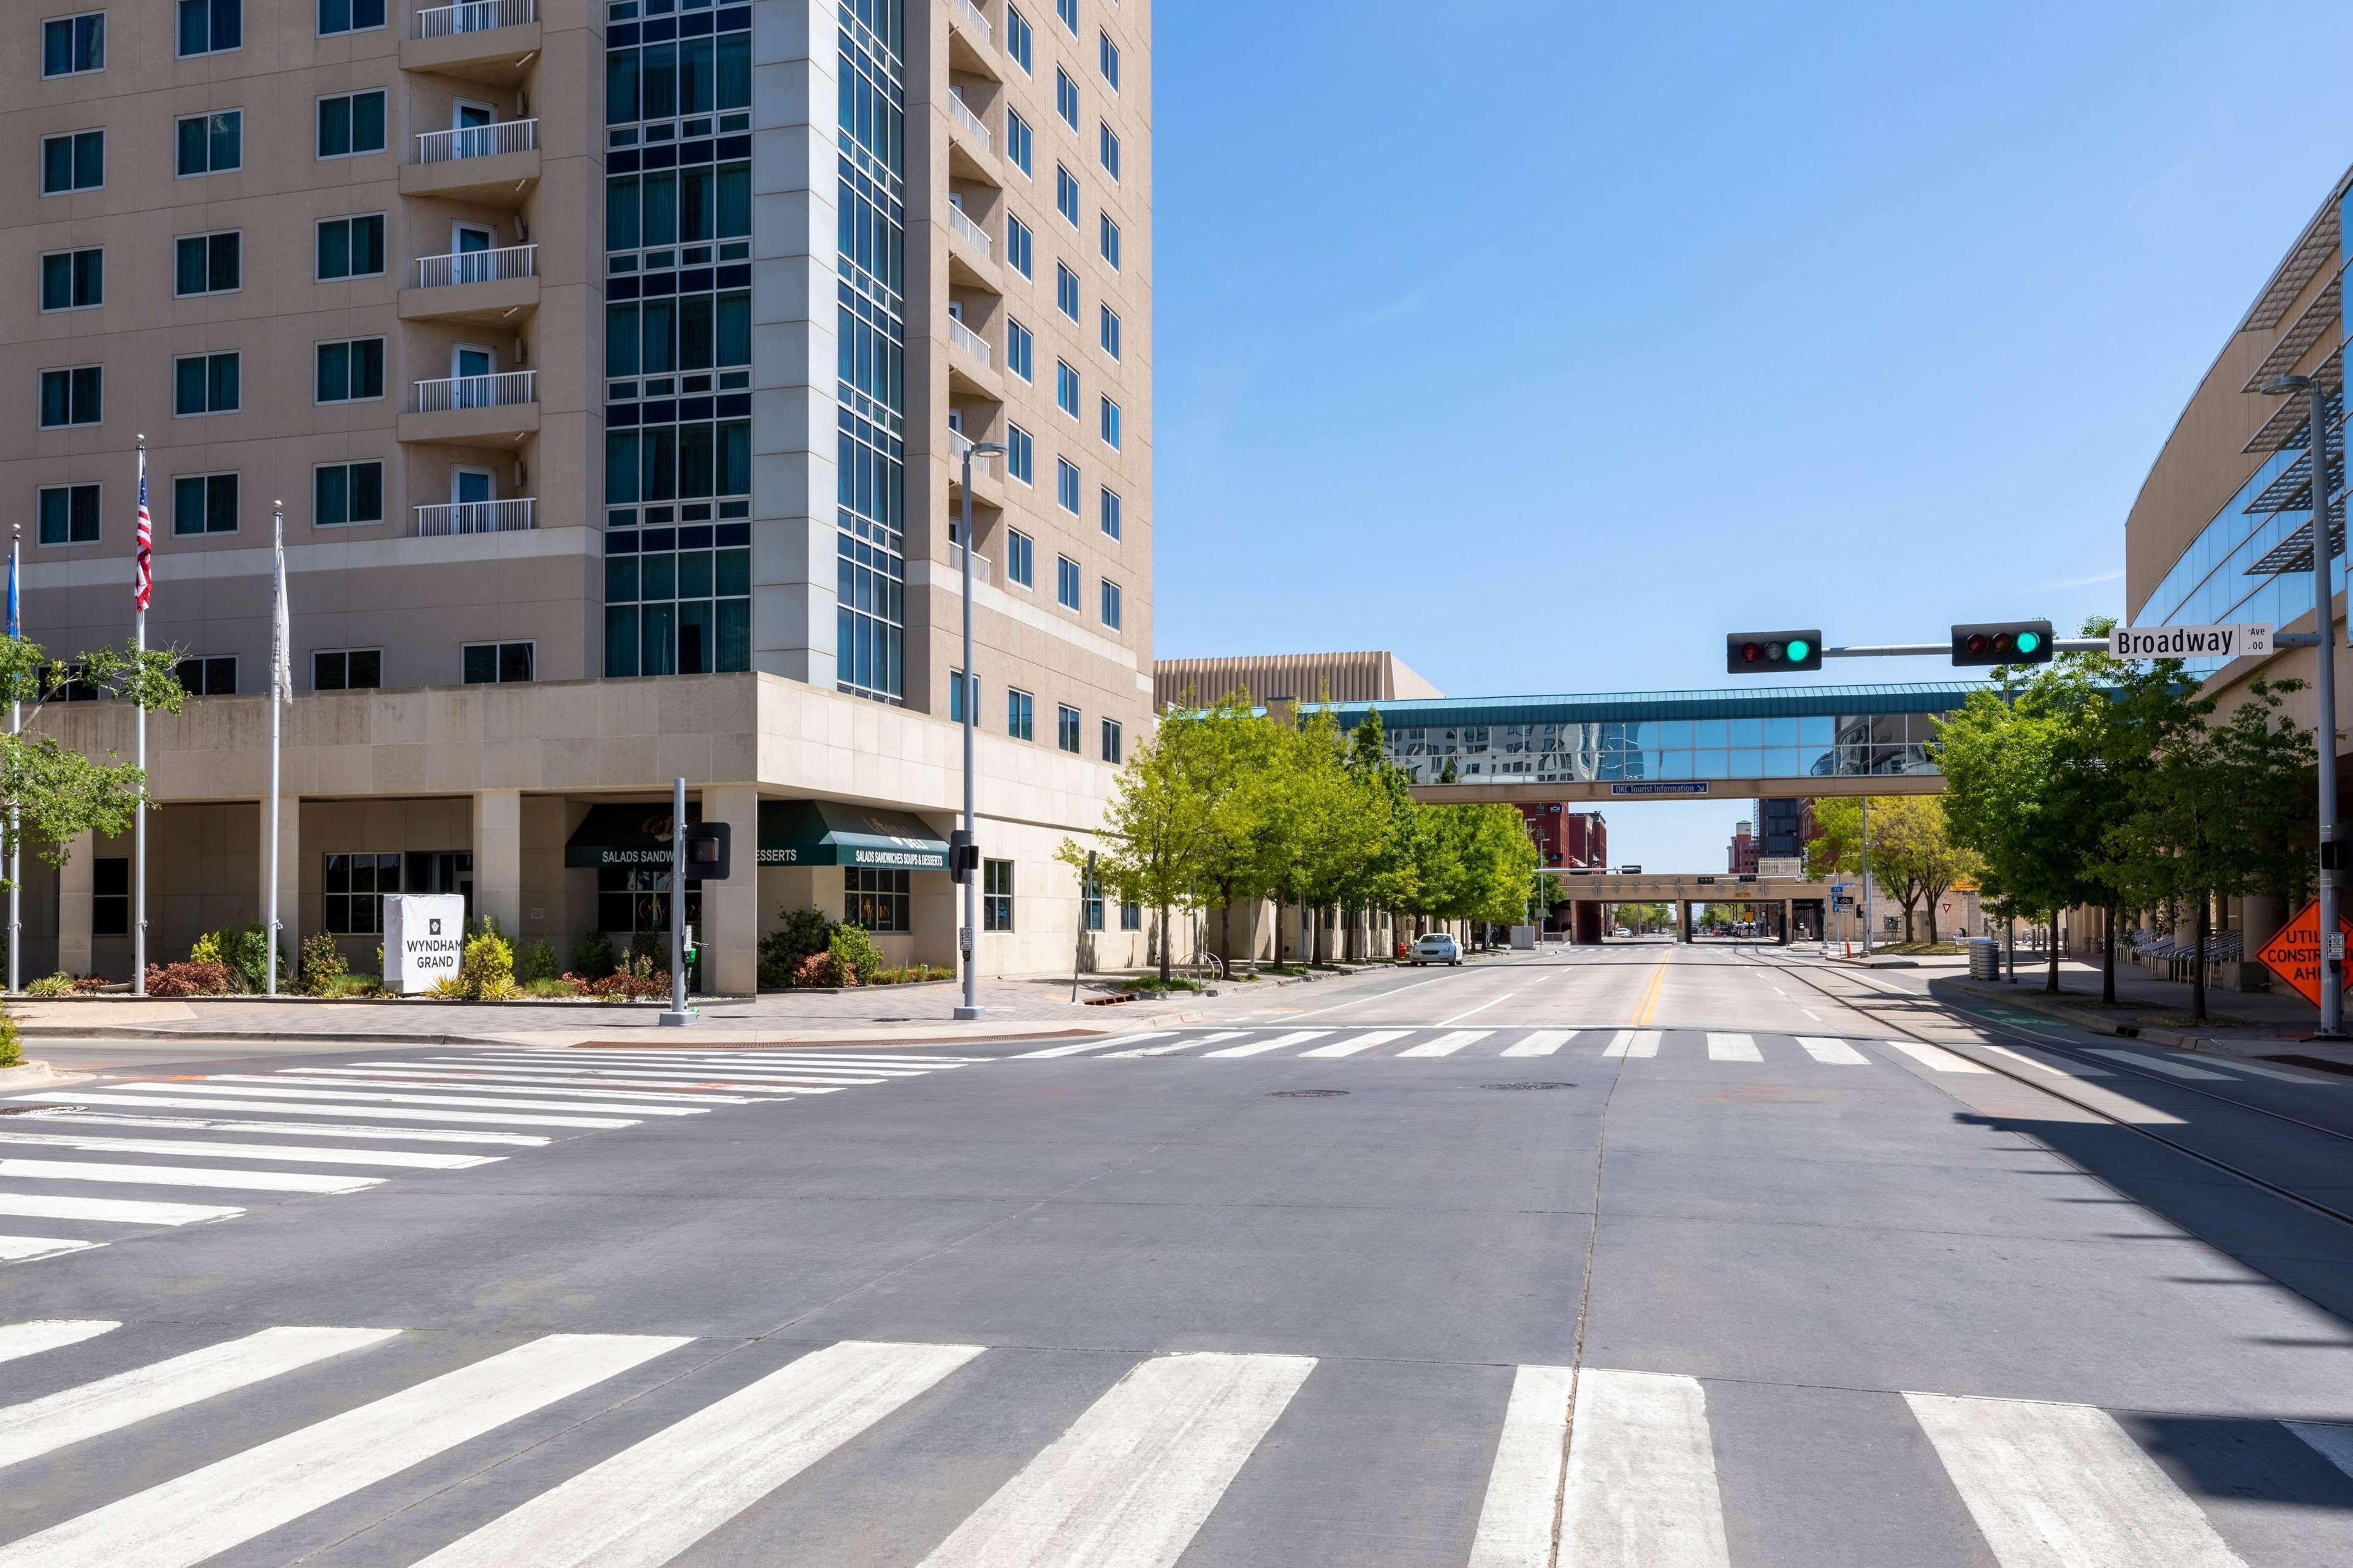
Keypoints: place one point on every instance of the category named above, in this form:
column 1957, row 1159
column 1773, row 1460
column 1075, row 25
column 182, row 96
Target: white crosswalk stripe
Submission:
column 181, row 1099
column 25, row 1248
column 259, row 1088
column 1733, row 1049
column 1350, row 1044
column 1936, row 1057
column 1446, row 1045
column 296, row 1153
column 1542, row 1043
column 1632, row 1043
column 1515, row 1524
column 181, row 1177
column 1436, row 1042
column 1178, row 1044
column 2158, row 1064
column 1096, row 1045
column 2072, row 1069
column 1260, row 1048
column 111, row 1211
column 52, row 1333
column 549, row 1084
column 1641, row 1490
column 1837, row 1052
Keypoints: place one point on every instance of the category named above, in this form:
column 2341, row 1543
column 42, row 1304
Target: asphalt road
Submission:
column 1828, row 1272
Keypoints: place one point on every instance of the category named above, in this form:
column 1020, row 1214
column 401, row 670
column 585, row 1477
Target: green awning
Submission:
column 827, row 833
column 634, row 835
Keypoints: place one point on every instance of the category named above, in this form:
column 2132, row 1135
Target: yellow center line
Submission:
column 1650, row 1002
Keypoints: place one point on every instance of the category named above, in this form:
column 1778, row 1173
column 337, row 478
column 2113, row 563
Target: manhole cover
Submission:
column 1527, row 1086
column 1305, row 1093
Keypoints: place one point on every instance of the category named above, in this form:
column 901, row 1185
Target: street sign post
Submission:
column 2247, row 640
column 2294, row 954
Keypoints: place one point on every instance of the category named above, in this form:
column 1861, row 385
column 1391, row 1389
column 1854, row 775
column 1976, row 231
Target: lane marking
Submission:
column 1632, row 1043
column 1648, row 1002
column 647, row 1504
column 1936, row 1057
column 2072, row 1069
column 359, row 1094
column 2154, row 1064
column 1446, row 1045
column 25, row 1248
column 50, row 1333
column 1296, row 1037
column 655, row 1055
column 2240, row 1064
column 1089, row 1045
column 1837, row 1052
column 87, row 1410
column 1641, row 1490
column 1480, row 1008
column 295, row 1153
column 1515, row 1522
column 1733, row 1049
column 1184, row 1044
column 1365, row 1040
column 2063, row 1486
column 111, row 1211
column 685, row 1068
column 182, row 1176
column 295, row 1129
column 672, row 1091
column 205, row 1512
column 1136, row 1474
column 1542, row 1043
column 389, row 1112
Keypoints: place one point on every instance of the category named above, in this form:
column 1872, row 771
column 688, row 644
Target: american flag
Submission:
column 146, row 586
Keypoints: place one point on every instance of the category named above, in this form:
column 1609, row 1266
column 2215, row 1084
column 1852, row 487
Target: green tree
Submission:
column 1237, row 776
column 1913, row 859
column 1157, row 822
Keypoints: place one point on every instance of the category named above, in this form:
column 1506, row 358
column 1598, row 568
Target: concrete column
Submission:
column 497, row 858
column 74, row 885
column 290, row 882
column 1789, row 920
column 731, row 910
column 2262, row 915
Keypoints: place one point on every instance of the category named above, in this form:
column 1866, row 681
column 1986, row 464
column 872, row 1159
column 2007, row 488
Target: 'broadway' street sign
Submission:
column 2243, row 640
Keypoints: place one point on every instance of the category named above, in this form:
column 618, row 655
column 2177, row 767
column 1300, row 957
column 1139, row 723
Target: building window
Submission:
column 1107, row 148
column 1107, row 59
column 347, row 669
column 1020, row 714
column 346, row 492
column 349, row 372
column 1066, row 729
column 1017, row 39
column 1066, row 389
column 209, row 26
column 69, row 514
column 875, row 897
column 1066, row 488
column 73, row 279
column 1091, row 906
column 1108, row 239
column 71, row 396
column 1020, row 552
column 110, row 895
column 1020, row 453
column 204, row 384
column 73, row 45
column 1110, row 512
column 1019, row 248
column 957, row 688
column 499, row 663
column 1110, row 604
column 1109, row 421
column 1111, row 740
column 351, row 123
column 207, row 677
column 1108, row 334
column 204, row 503
column 1018, row 346
column 209, row 264
column 74, row 162
column 1066, row 98
column 1066, row 582
column 348, row 17
column 1018, row 140
column 1068, row 10
column 350, row 247
column 1066, row 291
column 1066, row 195
column 210, row 143
column 1131, row 916
column 996, row 895
column 354, row 884
column 634, row 898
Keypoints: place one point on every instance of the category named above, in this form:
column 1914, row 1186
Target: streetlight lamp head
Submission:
column 2281, row 386
column 980, row 446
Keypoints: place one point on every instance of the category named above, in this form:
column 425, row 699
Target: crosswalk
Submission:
column 633, row 1451
column 91, row 1163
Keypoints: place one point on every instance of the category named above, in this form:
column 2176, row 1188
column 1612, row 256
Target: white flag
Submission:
column 281, row 638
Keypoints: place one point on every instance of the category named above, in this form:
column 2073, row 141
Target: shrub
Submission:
column 819, row 969
column 593, row 955
column 50, row 986
column 323, row 968
column 555, row 988
column 90, row 984
column 784, row 949
column 855, row 952
column 486, row 969
column 635, row 980
column 537, row 963
column 243, row 951
column 206, row 977
column 910, row 974
column 10, row 1053
column 653, row 946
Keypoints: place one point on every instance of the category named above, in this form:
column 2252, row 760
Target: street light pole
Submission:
column 2324, row 615
column 967, row 699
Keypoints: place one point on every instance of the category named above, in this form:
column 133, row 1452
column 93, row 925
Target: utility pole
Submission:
column 1866, row 876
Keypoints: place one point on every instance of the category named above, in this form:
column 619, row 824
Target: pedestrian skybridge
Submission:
column 1780, row 741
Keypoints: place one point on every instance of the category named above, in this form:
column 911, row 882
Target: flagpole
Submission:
column 279, row 654
column 139, row 823
column 15, row 821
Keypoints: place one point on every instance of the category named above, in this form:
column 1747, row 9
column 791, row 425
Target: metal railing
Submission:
column 477, row 141
column 979, row 563
column 509, row 516
column 474, row 17
column 966, row 12
column 961, row 112
column 971, row 232
column 497, row 391
column 970, row 341
column 501, row 266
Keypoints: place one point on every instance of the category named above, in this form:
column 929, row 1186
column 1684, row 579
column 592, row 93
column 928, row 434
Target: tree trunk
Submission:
column 2108, row 955
column 2198, row 958
column 2051, row 960
column 1226, row 925
column 1166, row 944
column 1932, row 920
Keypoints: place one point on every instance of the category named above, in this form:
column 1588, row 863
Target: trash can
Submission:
column 1985, row 959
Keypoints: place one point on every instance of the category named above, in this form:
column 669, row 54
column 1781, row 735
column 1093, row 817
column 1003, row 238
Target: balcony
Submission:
column 972, row 362
column 473, row 409
column 486, row 163
column 955, row 568
column 985, row 478
column 972, row 150
column 511, row 516
column 482, row 40
column 487, row 287
column 976, row 246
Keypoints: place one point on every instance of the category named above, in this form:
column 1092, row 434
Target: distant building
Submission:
column 1741, row 858
column 1784, row 827
column 1371, row 677
column 1564, row 838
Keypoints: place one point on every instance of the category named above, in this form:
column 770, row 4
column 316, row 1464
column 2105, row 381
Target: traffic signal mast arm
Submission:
column 1933, row 650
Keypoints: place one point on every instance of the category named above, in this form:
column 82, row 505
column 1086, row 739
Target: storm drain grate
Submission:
column 1305, row 1093
column 1536, row 1085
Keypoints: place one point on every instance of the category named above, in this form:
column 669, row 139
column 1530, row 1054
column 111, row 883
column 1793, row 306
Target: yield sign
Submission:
column 2294, row 953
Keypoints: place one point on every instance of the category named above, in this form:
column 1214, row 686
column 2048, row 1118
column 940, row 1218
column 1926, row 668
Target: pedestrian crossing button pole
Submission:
column 678, row 1014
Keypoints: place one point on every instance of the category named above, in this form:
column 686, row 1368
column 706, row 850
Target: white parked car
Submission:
column 1438, row 947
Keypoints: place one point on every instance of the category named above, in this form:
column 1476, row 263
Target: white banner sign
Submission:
column 1791, row 866
column 424, row 938
column 2251, row 639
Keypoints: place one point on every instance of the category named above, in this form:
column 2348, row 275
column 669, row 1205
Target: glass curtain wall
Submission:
column 1815, row 746
column 871, row 572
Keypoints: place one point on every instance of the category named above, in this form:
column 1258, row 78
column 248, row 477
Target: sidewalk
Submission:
column 2157, row 1011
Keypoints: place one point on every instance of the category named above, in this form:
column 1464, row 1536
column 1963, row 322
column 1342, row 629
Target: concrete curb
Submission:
column 2102, row 1023
column 32, row 1075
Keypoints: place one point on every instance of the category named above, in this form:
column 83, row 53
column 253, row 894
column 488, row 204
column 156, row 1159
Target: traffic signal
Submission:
column 1772, row 653
column 707, row 845
column 2002, row 642
column 964, row 856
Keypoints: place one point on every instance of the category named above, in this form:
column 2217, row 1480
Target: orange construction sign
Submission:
column 2294, row 953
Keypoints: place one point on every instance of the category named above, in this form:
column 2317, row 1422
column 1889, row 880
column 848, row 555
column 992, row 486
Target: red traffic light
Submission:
column 1752, row 652
column 1981, row 643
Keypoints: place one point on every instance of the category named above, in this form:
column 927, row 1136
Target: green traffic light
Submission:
column 1800, row 650
column 2029, row 641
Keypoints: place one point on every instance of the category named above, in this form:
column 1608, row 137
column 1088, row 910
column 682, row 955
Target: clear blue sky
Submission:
column 1543, row 342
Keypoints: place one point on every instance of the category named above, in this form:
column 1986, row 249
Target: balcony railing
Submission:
column 971, row 232
column 964, row 116
column 499, row 266
column 969, row 13
column 511, row 516
column 477, row 141
column 970, row 341
column 476, row 16
column 979, row 563
column 499, row 391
